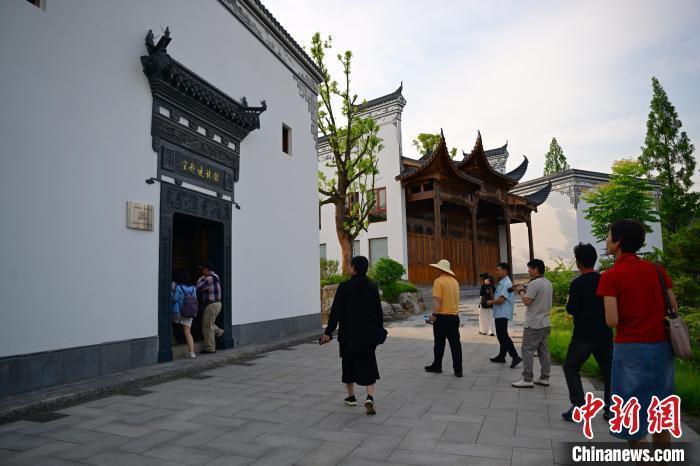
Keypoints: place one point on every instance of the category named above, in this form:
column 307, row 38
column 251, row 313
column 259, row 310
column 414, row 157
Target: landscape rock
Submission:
column 327, row 297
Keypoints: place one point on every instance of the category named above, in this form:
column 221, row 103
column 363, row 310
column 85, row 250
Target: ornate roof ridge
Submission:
column 440, row 149
column 161, row 67
column 279, row 30
column 479, row 149
column 498, row 150
column 380, row 100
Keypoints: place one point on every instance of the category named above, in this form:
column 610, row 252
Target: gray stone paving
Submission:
column 286, row 409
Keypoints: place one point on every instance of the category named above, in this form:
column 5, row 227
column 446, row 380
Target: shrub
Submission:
column 561, row 276
column 392, row 291
column 335, row 280
column 329, row 268
column 687, row 372
column 605, row 262
column 386, row 271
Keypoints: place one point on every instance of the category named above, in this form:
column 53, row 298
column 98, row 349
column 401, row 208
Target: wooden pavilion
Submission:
column 462, row 212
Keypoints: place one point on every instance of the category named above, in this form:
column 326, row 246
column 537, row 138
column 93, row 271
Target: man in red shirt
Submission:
column 634, row 305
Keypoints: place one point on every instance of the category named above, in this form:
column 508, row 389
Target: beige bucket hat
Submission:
column 444, row 266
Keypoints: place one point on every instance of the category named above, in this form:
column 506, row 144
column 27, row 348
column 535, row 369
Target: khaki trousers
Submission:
column 209, row 329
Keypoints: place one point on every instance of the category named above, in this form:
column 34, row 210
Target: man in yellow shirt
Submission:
column 445, row 318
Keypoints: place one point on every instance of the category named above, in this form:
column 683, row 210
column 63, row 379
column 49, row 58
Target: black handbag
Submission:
column 381, row 335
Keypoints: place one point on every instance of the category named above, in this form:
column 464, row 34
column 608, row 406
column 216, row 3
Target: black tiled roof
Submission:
column 380, row 100
column 503, row 150
column 518, row 172
column 540, row 196
column 283, row 31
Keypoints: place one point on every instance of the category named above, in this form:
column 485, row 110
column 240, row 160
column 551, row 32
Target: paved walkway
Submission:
column 286, row 408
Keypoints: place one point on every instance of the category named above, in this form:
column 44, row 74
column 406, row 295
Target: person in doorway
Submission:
column 357, row 309
column 182, row 289
column 591, row 334
column 503, row 304
column 632, row 292
column 209, row 285
column 537, row 297
column 445, row 318
column 486, row 292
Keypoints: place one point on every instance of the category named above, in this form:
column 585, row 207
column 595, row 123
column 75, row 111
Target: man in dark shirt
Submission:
column 591, row 333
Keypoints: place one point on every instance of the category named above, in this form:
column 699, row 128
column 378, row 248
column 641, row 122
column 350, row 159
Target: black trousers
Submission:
column 504, row 339
column 576, row 356
column 447, row 328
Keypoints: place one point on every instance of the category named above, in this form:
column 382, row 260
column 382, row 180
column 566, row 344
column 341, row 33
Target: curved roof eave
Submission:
column 518, row 172
column 539, row 197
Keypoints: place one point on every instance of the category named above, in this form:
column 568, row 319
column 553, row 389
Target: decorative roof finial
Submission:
column 398, row 91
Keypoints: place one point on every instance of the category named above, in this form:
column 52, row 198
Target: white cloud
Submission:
column 522, row 71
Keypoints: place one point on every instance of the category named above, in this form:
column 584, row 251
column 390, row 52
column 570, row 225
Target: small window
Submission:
column 323, row 251
column 378, row 248
column 286, row 139
column 378, row 213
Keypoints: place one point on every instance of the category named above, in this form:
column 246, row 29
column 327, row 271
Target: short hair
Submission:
column 360, row 264
column 629, row 233
column 537, row 264
column 585, row 254
column 484, row 275
column 504, row 266
column 183, row 277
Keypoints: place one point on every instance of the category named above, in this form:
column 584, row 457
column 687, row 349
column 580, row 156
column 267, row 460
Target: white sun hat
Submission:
column 444, row 266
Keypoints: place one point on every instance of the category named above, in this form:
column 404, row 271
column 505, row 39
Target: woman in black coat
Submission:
column 358, row 309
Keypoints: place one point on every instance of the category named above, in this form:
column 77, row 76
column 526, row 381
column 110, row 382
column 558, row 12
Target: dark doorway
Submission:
column 195, row 241
column 194, row 228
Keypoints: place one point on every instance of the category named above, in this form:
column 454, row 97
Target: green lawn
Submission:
column 687, row 372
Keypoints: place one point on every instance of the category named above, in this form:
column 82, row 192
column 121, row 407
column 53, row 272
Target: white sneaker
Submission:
column 523, row 384
column 543, row 382
column 190, row 356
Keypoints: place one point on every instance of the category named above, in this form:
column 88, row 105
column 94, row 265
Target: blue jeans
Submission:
column 642, row 370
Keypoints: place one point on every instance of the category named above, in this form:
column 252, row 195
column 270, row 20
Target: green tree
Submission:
column 427, row 142
column 667, row 155
column 354, row 145
column 554, row 160
column 681, row 256
column 626, row 195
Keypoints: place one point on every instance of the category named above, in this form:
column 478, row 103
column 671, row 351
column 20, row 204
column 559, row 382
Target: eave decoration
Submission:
column 192, row 114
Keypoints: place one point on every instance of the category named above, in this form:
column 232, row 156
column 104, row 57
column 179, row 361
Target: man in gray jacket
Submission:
column 537, row 297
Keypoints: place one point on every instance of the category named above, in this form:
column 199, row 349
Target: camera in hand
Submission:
column 512, row 288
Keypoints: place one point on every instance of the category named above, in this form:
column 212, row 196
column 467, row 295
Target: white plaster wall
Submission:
column 554, row 232
column 557, row 228
column 519, row 243
column 395, row 226
column 75, row 146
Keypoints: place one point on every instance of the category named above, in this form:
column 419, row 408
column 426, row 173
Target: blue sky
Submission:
column 519, row 71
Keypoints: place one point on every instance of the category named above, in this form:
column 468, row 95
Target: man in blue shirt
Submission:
column 503, row 304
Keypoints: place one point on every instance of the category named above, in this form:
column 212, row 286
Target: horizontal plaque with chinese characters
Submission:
column 190, row 167
column 139, row 216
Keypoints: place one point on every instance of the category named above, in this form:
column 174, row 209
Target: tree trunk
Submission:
column 343, row 237
column 345, row 251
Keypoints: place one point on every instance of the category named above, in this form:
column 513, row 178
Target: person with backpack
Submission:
column 209, row 285
column 185, row 307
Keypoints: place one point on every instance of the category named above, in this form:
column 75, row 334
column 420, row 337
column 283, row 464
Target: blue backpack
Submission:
column 190, row 305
